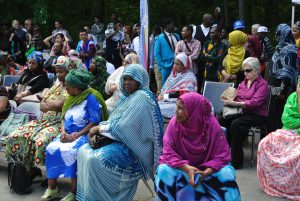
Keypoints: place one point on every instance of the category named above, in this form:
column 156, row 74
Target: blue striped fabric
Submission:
column 112, row 172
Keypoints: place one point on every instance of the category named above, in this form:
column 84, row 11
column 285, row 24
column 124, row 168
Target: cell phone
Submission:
column 197, row 178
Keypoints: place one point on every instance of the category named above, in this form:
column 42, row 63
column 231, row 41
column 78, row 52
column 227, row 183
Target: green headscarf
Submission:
column 79, row 78
column 290, row 116
column 75, row 100
column 100, row 75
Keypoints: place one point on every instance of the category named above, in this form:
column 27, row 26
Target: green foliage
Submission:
column 75, row 14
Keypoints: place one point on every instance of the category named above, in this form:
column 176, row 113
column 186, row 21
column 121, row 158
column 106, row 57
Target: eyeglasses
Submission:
column 248, row 70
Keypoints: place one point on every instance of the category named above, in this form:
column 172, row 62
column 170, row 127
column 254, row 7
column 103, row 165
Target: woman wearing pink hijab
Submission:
column 194, row 162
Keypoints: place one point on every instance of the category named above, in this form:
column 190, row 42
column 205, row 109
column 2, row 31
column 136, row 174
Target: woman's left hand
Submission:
column 205, row 173
column 229, row 102
column 71, row 137
column 18, row 97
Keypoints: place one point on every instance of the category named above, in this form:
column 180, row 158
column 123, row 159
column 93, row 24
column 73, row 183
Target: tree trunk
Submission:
column 241, row 9
column 226, row 13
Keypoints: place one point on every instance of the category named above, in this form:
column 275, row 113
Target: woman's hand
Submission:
column 229, row 102
column 93, row 131
column 226, row 76
column 160, row 97
column 112, row 87
column 191, row 171
column 205, row 173
column 18, row 97
column 70, row 137
column 44, row 107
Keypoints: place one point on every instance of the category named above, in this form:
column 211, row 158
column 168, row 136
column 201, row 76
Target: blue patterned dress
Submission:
column 61, row 158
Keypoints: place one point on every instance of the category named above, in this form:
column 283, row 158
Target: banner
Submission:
column 144, row 33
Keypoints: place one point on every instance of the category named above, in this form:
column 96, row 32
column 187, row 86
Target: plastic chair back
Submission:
column 9, row 79
column 213, row 91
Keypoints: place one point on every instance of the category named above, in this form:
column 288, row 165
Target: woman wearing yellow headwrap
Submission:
column 232, row 63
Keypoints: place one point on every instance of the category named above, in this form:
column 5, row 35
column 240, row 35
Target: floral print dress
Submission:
column 29, row 141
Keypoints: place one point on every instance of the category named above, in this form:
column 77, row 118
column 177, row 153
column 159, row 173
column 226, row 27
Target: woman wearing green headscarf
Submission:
column 98, row 69
column 278, row 156
column 82, row 109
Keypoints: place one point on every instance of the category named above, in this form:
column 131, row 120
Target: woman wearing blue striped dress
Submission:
column 112, row 172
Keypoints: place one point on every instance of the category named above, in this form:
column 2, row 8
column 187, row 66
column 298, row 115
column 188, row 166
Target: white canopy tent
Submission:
column 294, row 3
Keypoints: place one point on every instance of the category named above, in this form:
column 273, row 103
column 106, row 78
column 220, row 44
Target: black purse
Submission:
column 97, row 141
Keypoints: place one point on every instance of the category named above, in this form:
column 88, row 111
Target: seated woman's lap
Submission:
column 170, row 179
column 116, row 156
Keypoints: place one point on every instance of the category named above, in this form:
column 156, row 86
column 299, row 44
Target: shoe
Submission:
column 237, row 166
column 50, row 194
column 69, row 197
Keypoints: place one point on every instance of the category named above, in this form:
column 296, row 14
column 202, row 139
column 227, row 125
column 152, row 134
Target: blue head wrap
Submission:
column 36, row 55
column 285, row 56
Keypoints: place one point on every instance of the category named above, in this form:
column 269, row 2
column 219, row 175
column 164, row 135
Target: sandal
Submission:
column 50, row 194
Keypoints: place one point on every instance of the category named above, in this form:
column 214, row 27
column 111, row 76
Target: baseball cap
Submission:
column 262, row 29
column 239, row 24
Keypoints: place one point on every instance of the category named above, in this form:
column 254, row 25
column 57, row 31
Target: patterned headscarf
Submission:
column 69, row 63
column 285, row 56
column 100, row 76
column 36, row 55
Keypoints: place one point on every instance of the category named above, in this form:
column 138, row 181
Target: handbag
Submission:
column 97, row 141
column 230, row 111
column 24, row 87
column 18, row 177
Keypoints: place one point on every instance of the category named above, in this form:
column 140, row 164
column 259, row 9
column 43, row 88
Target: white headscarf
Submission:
column 185, row 60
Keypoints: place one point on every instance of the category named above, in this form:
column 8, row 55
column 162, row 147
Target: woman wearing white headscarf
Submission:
column 180, row 81
column 112, row 84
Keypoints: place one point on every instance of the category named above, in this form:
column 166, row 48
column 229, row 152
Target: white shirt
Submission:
column 172, row 37
column 110, row 68
column 204, row 29
column 136, row 44
column 117, row 37
column 94, row 38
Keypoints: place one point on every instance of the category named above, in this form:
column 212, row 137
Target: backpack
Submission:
column 13, row 122
column 18, row 178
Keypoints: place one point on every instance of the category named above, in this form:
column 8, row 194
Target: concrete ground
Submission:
column 246, row 178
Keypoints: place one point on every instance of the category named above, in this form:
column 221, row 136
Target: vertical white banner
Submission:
column 144, row 34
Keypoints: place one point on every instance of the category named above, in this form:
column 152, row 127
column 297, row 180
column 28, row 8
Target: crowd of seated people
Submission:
column 192, row 159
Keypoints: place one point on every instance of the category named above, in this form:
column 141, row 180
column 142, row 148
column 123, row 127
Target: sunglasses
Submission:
column 248, row 70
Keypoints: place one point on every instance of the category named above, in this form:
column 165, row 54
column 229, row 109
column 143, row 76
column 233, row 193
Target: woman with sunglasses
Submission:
column 252, row 97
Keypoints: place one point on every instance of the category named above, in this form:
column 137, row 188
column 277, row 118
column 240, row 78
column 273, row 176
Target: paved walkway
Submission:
column 246, row 178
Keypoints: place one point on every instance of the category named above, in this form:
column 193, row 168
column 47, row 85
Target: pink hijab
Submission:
column 199, row 141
